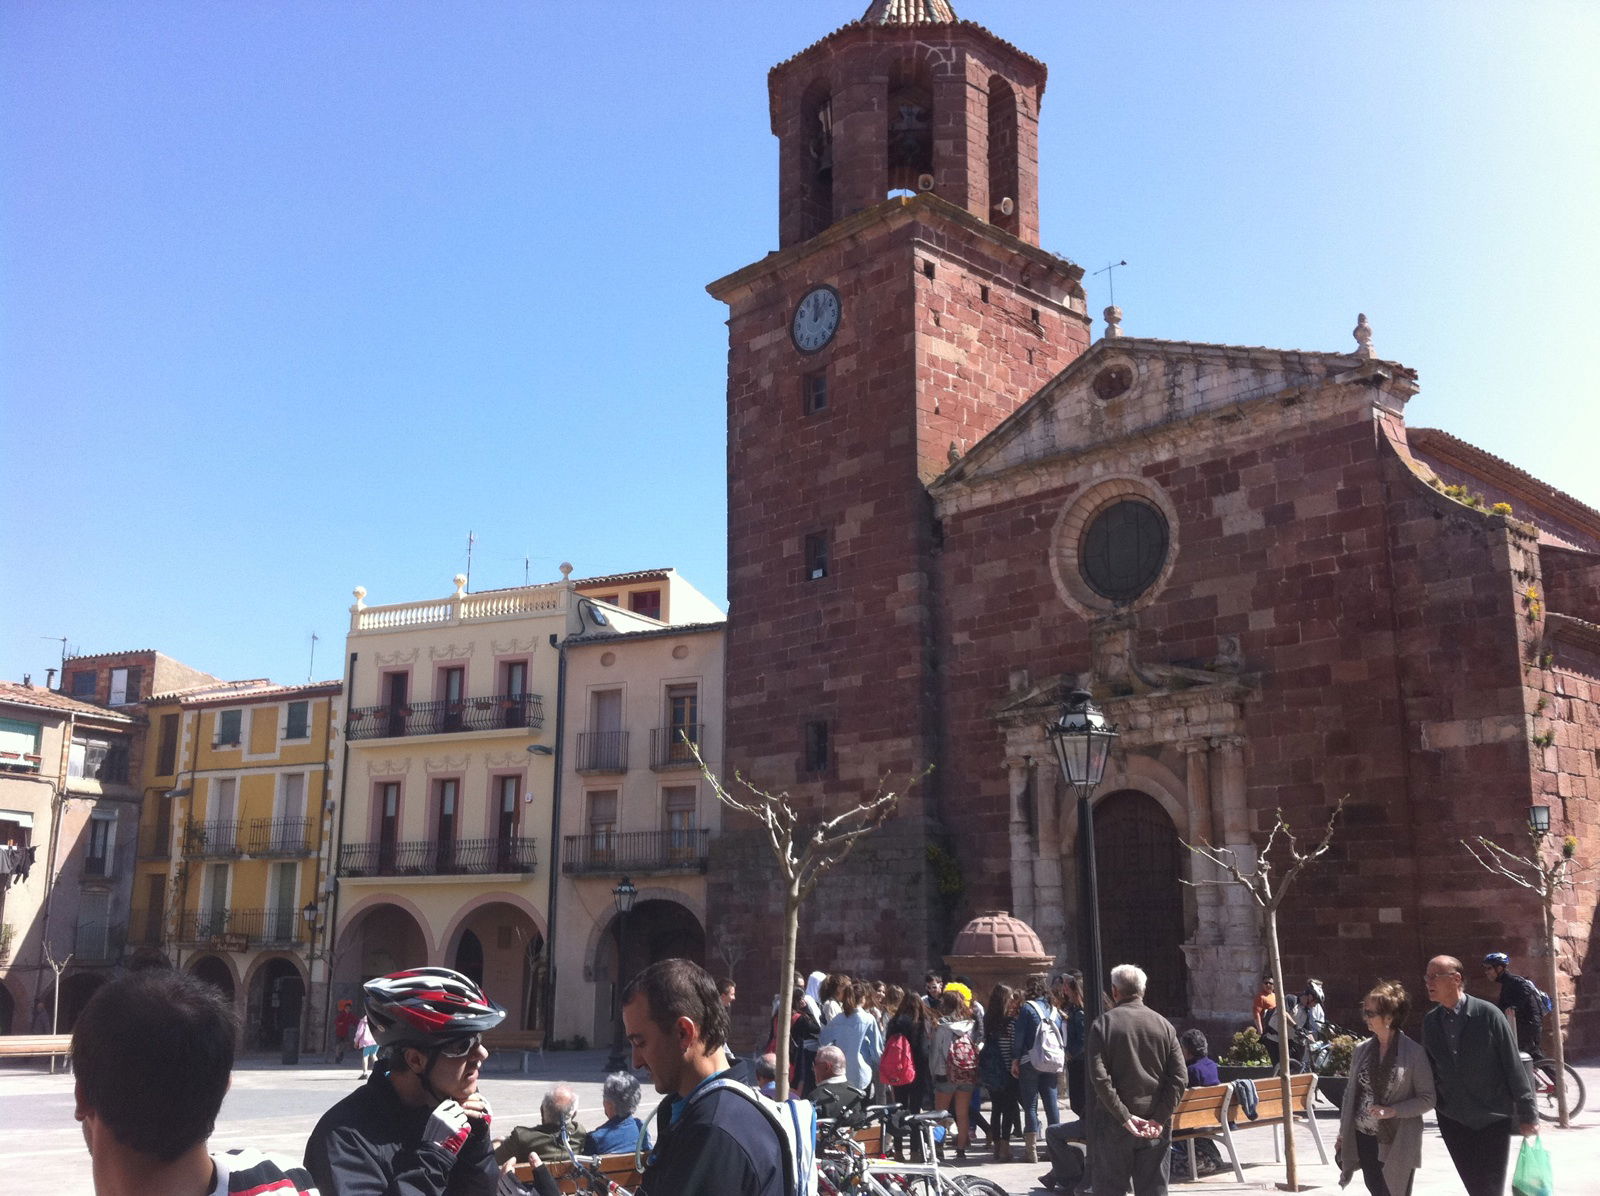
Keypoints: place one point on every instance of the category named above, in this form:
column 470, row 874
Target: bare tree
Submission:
column 1546, row 877
column 1258, row 881
column 803, row 850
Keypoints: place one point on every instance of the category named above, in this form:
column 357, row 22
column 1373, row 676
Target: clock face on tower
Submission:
column 816, row 319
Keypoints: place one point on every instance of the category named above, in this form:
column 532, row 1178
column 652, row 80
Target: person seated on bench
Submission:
column 767, row 1075
column 557, row 1112
column 153, row 1052
column 621, row 1131
column 833, row 1095
column 1202, row 1070
column 1067, row 1146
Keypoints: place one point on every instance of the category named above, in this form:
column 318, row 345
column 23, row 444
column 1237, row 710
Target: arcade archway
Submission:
column 380, row 939
column 277, row 998
column 215, row 972
column 498, row 945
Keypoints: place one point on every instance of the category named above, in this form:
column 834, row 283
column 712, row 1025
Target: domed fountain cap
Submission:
column 996, row 932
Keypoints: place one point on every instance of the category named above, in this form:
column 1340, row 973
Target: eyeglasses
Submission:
column 459, row 1048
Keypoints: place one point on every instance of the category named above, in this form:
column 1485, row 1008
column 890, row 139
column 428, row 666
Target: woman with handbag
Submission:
column 1391, row 1087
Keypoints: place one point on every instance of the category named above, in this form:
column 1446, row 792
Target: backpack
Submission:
column 795, row 1123
column 961, row 1059
column 1541, row 999
column 1048, row 1054
column 896, row 1067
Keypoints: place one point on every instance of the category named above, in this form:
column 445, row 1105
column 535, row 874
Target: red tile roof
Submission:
column 39, row 698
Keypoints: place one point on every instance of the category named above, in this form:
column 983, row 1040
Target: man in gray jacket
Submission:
column 1483, row 1092
column 1137, row 1072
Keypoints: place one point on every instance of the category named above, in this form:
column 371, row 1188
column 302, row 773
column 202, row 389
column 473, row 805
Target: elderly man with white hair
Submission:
column 1137, row 1072
column 833, row 1094
column 558, row 1120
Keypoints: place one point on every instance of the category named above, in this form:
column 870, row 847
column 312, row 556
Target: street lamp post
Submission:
column 624, row 894
column 1082, row 740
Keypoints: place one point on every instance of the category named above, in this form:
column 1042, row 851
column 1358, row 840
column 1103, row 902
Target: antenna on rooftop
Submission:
column 63, row 640
column 1111, row 278
column 526, row 562
column 311, row 668
column 471, row 540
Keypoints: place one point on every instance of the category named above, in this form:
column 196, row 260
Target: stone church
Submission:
column 948, row 505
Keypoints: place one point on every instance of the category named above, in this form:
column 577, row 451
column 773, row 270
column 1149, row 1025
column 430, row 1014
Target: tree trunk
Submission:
column 1553, row 979
column 1285, row 1044
column 791, row 932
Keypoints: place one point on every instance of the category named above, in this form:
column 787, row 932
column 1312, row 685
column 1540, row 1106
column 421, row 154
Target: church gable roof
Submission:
column 1126, row 386
column 909, row 12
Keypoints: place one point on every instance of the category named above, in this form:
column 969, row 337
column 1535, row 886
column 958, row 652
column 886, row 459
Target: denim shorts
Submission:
column 940, row 1084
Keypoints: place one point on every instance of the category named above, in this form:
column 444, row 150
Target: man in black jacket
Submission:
column 418, row 1126
column 1137, row 1072
column 710, row 1140
column 1483, row 1092
column 1519, row 1000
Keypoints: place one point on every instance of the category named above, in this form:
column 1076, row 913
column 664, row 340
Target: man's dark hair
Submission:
column 678, row 988
column 153, row 1051
column 725, row 986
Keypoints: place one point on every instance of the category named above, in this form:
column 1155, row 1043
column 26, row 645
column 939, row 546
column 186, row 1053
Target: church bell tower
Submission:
column 907, row 311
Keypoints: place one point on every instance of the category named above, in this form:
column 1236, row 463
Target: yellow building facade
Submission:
column 231, row 882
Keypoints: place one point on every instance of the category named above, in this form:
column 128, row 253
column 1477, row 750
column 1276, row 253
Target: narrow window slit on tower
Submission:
column 816, row 556
column 927, row 269
column 814, row 392
column 983, row 293
column 815, row 746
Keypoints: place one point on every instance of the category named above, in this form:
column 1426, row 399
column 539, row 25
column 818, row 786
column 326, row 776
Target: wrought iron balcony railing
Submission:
column 602, row 751
column 98, row 942
column 279, row 836
column 635, row 851
column 492, row 713
column 673, row 747
column 241, row 929
column 211, row 840
column 438, row 857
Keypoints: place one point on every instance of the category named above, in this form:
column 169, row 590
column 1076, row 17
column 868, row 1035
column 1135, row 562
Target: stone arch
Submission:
column 663, row 923
column 602, row 930
column 379, row 935
column 515, row 953
column 275, row 993
column 816, row 151
column 909, row 122
column 216, row 970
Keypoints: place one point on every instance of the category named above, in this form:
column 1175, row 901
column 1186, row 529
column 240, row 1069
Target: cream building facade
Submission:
column 448, row 777
column 635, row 806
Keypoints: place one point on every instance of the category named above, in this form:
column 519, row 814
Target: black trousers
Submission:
column 1480, row 1155
column 1371, row 1167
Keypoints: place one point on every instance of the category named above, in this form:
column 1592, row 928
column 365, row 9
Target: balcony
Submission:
column 279, row 837
column 635, row 852
column 673, row 747
column 495, row 713
column 211, row 840
column 20, row 761
column 98, row 942
column 155, row 842
column 99, row 867
column 241, row 929
column 602, row 751
column 435, row 857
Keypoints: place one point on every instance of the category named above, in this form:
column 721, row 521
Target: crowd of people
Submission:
column 153, row 1052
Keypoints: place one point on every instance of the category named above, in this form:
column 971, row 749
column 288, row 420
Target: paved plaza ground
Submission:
column 273, row 1108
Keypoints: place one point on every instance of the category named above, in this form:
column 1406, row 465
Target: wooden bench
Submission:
column 617, row 1168
column 871, row 1139
column 1213, row 1112
column 29, row 1046
column 526, row 1041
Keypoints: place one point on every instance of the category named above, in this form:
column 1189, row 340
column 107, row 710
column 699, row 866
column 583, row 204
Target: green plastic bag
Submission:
column 1533, row 1177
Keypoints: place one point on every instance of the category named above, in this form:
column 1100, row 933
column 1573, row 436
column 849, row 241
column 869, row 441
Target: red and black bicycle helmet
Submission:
column 425, row 1007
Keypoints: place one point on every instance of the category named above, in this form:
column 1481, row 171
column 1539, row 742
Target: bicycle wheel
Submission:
column 1544, row 1091
column 977, row 1185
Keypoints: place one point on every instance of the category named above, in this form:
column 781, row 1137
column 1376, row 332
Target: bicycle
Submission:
column 851, row 1171
column 1542, row 1077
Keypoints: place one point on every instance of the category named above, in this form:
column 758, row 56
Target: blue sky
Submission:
column 293, row 295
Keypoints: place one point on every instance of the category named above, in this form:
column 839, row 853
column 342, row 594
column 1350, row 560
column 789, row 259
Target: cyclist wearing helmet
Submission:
column 1519, row 1000
column 419, row 1126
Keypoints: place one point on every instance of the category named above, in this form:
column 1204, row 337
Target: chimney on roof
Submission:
column 27, row 681
column 50, row 678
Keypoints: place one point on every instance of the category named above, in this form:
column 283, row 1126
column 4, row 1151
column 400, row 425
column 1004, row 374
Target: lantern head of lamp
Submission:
column 625, row 894
column 1539, row 820
column 309, row 912
column 1082, row 739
